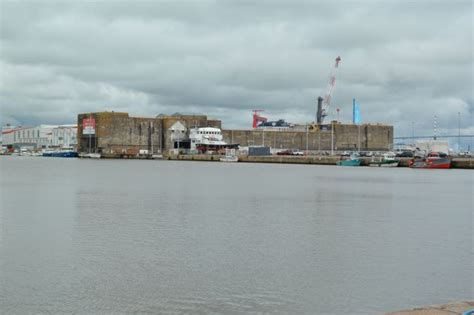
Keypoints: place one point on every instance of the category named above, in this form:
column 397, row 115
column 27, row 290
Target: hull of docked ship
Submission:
column 441, row 163
column 208, row 139
column 63, row 154
column 384, row 163
column 351, row 162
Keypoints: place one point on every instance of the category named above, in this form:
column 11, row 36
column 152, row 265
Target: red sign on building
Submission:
column 88, row 126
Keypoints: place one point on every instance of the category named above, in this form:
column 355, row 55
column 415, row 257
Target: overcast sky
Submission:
column 403, row 61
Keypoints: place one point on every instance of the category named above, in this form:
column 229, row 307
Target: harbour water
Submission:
column 118, row 236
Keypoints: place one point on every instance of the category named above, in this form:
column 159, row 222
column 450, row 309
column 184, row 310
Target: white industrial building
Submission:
column 42, row 136
column 64, row 136
column 37, row 136
column 7, row 135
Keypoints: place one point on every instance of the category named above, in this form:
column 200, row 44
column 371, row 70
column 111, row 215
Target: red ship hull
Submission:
column 441, row 163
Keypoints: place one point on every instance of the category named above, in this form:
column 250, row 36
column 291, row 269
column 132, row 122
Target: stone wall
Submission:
column 346, row 137
column 119, row 134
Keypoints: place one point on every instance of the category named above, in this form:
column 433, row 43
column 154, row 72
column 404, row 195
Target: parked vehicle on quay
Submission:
column 405, row 154
column 366, row 154
column 291, row 152
column 465, row 154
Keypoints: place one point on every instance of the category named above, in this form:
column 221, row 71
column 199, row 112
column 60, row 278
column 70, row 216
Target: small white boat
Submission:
column 90, row 155
column 229, row 156
column 94, row 155
column 229, row 159
column 388, row 160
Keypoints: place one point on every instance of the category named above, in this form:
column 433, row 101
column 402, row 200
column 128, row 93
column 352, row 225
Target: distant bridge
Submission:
column 432, row 137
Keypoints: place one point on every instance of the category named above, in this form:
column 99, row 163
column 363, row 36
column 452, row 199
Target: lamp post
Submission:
column 319, row 141
column 90, row 116
column 306, row 138
column 151, row 136
column 161, row 137
column 358, row 138
column 332, row 139
column 459, row 132
column 471, row 124
column 179, row 131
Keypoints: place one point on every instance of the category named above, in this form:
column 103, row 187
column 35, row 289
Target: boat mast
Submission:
column 90, row 135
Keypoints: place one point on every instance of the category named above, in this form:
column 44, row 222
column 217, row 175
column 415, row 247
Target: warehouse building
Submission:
column 41, row 136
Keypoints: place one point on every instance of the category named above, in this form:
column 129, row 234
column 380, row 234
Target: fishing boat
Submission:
column 229, row 156
column 432, row 160
column 353, row 160
column 387, row 160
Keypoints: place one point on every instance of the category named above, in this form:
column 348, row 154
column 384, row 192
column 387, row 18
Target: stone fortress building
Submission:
column 117, row 134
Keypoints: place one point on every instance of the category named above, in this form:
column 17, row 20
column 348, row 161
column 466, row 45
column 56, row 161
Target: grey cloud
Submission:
column 400, row 60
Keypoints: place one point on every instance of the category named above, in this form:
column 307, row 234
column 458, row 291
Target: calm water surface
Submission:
column 86, row 236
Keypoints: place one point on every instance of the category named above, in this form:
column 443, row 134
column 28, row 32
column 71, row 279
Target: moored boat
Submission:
column 94, row 155
column 90, row 155
column 229, row 156
column 65, row 152
column 388, row 160
column 208, row 139
column 353, row 160
column 432, row 160
column 48, row 152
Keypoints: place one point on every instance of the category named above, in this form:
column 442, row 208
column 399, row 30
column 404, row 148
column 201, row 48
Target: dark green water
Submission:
column 97, row 236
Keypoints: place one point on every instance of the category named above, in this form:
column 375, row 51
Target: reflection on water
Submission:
column 159, row 236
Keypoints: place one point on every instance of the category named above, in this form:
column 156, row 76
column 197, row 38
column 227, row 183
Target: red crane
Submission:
column 258, row 119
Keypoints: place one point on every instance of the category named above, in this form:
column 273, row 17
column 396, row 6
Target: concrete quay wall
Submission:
column 460, row 308
column 464, row 163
